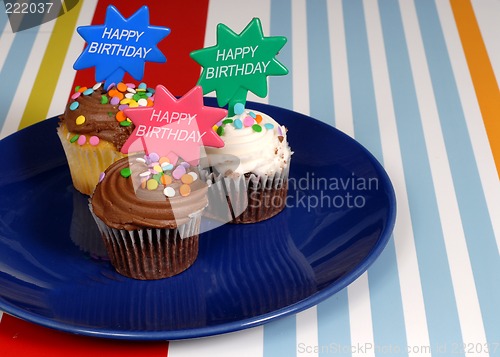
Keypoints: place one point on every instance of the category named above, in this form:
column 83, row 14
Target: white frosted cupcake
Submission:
column 252, row 168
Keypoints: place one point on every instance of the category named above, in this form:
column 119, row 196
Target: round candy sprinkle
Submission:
column 252, row 114
column 77, row 88
column 157, row 168
column 102, row 176
column 131, row 90
column 158, row 177
column 104, row 99
column 248, row 121
column 194, row 175
column 258, row 118
column 145, row 174
column 88, row 91
column 129, row 95
column 167, row 166
column 114, row 101
column 80, row 120
column 166, row 180
column 152, row 184
column 74, row 106
column 82, row 140
column 74, row 138
column 178, row 172
column 163, row 160
column 76, row 95
column 185, row 190
column 154, row 157
column 239, row 108
column 126, row 172
column 169, row 191
column 125, row 123
column 142, row 86
column 238, row 124
column 122, row 106
column 227, row 121
column 110, row 87
column 185, row 164
column 269, row 126
column 130, row 86
column 187, row 179
column 97, row 86
column 220, row 130
column 122, row 87
column 120, row 116
column 125, row 100
column 142, row 102
column 133, row 104
column 257, row 128
column 94, row 140
column 141, row 160
column 82, row 89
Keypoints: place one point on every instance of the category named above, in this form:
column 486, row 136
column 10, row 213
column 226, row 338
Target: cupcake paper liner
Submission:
column 87, row 162
column 151, row 253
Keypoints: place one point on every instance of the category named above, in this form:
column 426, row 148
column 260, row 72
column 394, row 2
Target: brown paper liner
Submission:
column 149, row 253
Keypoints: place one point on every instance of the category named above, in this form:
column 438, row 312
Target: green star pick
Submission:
column 239, row 63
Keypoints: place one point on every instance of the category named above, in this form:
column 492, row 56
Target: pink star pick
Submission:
column 174, row 127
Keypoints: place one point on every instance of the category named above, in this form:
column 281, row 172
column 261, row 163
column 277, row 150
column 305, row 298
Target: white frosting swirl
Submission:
column 262, row 153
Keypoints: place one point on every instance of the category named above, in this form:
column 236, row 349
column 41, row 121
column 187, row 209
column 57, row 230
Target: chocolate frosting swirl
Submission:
column 122, row 203
column 99, row 119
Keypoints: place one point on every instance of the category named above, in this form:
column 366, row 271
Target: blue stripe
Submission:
column 334, row 337
column 280, row 335
column 440, row 304
column 320, row 72
column 383, row 278
column 3, row 20
column 14, row 65
column 476, row 222
column 281, row 87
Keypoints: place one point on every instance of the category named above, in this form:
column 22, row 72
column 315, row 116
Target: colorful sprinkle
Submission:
column 169, row 191
column 76, row 95
column 74, row 106
column 74, row 138
column 104, row 99
column 154, row 157
column 166, row 166
column 238, row 124
column 142, row 102
column 157, row 168
column 252, row 114
column 227, row 121
column 145, row 174
column 185, row 190
column 82, row 89
column 194, row 175
column 178, row 172
column 220, row 130
column 122, row 87
column 114, row 101
column 120, row 116
column 258, row 118
column 257, row 128
column 166, row 180
column 80, row 120
column 239, row 108
column 97, row 86
column 164, row 160
column 125, row 123
column 94, row 140
column 82, row 140
column 142, row 86
column 187, row 179
column 126, row 172
column 102, row 176
column 141, row 160
column 269, row 126
column 248, row 121
column 152, row 184
column 88, row 91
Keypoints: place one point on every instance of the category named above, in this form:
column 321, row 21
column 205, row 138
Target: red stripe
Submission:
column 20, row 338
column 187, row 22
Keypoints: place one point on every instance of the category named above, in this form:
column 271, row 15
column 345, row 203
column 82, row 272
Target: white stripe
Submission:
column 67, row 74
column 7, row 37
column 360, row 317
column 456, row 247
column 236, row 15
column 307, row 331
column 300, row 67
column 477, row 132
column 340, row 70
column 404, row 240
column 487, row 15
column 19, row 101
column 246, row 343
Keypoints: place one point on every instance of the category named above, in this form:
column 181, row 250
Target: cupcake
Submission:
column 148, row 212
column 252, row 168
column 93, row 129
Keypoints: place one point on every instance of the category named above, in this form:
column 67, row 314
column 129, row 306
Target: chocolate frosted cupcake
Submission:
column 251, row 170
column 148, row 211
column 94, row 128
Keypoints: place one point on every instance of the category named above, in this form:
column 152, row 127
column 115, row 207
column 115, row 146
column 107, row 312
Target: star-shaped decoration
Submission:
column 121, row 45
column 239, row 63
column 174, row 127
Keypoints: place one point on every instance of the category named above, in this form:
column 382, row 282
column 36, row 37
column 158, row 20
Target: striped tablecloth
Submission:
column 414, row 81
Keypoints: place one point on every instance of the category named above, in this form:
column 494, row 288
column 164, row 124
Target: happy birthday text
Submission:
column 119, row 49
column 235, row 70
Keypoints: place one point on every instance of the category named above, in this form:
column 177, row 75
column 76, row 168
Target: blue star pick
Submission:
column 121, row 45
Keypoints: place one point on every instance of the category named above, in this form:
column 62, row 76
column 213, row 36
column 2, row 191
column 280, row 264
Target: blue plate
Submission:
column 339, row 215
